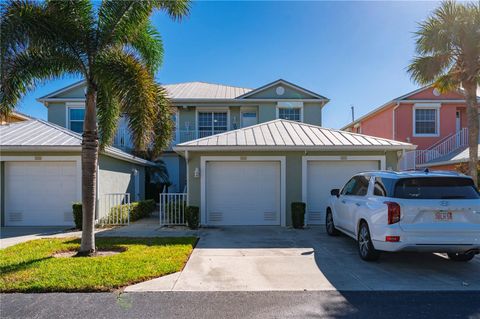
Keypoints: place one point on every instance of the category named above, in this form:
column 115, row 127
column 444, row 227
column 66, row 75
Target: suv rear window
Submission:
column 436, row 188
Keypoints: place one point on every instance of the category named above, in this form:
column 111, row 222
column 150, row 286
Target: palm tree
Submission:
column 114, row 46
column 448, row 48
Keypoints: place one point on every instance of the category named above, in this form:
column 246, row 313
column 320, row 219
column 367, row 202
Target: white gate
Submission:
column 114, row 209
column 172, row 208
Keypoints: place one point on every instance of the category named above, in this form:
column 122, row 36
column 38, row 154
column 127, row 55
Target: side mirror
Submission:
column 335, row 192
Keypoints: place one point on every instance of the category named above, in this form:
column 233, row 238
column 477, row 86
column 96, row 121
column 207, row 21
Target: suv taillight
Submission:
column 393, row 212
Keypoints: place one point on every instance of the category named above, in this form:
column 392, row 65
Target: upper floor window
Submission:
column 210, row 123
column 290, row 110
column 75, row 119
column 426, row 121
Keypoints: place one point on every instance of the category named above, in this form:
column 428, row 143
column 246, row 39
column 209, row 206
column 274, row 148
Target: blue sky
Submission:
column 355, row 53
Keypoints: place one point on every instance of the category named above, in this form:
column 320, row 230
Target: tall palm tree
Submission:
column 114, row 46
column 448, row 48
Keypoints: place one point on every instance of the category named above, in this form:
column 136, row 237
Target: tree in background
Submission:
column 448, row 55
column 115, row 48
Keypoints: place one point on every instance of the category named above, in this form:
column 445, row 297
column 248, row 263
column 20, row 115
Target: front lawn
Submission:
column 30, row 267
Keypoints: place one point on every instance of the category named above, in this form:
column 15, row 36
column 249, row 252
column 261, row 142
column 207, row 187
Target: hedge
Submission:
column 192, row 217
column 77, row 215
column 119, row 214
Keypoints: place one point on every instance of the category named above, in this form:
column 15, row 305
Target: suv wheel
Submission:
column 365, row 245
column 461, row 256
column 330, row 225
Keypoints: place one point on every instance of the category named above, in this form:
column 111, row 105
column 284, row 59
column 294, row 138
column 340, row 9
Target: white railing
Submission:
column 455, row 142
column 114, row 209
column 172, row 208
column 182, row 136
column 122, row 139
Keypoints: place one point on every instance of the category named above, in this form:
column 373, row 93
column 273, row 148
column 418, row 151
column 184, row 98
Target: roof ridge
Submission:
column 210, row 83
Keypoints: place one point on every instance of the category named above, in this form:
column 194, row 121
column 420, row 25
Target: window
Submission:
column 210, row 123
column 436, row 188
column 357, row 186
column 426, row 121
column 383, row 187
column 292, row 114
column 75, row 119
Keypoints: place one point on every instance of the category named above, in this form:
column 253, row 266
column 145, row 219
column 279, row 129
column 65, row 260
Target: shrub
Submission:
column 298, row 214
column 138, row 210
column 77, row 214
column 192, row 217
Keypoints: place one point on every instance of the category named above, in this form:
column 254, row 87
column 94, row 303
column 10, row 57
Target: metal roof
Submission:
column 202, row 90
column 284, row 135
column 39, row 135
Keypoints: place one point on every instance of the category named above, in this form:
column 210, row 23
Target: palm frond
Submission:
column 108, row 113
column 21, row 72
column 447, row 83
column 164, row 125
column 175, row 9
column 134, row 87
column 425, row 69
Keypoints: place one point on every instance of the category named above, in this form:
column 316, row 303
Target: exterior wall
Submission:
column 77, row 92
column 267, row 112
column 172, row 161
column 427, row 94
column 2, row 187
column 312, row 113
column 293, row 171
column 116, row 176
column 57, row 113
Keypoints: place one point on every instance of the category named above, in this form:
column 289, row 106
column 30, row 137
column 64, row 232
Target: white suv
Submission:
column 419, row 211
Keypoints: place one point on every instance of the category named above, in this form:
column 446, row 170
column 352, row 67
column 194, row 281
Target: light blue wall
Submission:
column 57, row 113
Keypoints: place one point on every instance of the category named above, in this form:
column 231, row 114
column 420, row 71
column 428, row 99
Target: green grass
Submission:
column 30, row 267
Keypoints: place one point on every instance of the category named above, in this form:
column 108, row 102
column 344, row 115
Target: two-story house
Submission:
column 435, row 122
column 244, row 155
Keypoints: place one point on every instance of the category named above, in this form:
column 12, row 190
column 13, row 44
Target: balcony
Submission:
column 452, row 143
column 182, row 136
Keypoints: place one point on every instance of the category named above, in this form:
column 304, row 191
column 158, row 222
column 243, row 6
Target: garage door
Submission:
column 39, row 193
column 243, row 193
column 323, row 176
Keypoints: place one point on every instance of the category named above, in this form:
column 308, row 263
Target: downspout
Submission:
column 394, row 135
column 188, row 177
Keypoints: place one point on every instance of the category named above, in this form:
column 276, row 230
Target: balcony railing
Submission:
column 182, row 136
column 453, row 143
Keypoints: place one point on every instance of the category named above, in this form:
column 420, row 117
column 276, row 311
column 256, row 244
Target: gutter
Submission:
column 295, row 148
column 394, row 128
column 109, row 151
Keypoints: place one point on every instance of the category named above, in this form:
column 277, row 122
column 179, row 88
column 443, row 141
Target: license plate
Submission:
column 443, row 216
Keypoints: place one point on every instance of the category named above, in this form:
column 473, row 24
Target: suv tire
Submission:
column 365, row 246
column 330, row 225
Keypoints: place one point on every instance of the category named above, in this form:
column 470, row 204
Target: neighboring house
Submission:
column 251, row 176
column 13, row 117
column 435, row 122
column 40, row 174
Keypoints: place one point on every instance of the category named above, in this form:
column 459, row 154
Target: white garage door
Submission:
column 243, row 193
column 39, row 193
column 323, row 176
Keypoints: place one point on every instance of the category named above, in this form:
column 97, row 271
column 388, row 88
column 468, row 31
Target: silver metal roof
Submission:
column 461, row 156
column 202, row 90
column 39, row 135
column 284, row 134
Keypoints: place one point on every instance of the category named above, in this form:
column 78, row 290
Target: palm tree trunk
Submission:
column 89, row 171
column 472, row 112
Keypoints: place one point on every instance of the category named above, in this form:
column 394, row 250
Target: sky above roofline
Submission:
column 354, row 53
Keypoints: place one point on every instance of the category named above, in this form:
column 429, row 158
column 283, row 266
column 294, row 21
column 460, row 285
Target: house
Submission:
column 40, row 174
column 435, row 122
column 244, row 155
column 200, row 109
column 250, row 176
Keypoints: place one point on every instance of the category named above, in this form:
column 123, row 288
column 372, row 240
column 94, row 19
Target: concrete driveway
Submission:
column 275, row 259
column 10, row 236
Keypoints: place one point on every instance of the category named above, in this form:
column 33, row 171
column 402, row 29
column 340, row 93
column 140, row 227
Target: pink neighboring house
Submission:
column 424, row 117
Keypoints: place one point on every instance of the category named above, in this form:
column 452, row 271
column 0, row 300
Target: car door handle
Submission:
column 358, row 204
column 343, row 201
